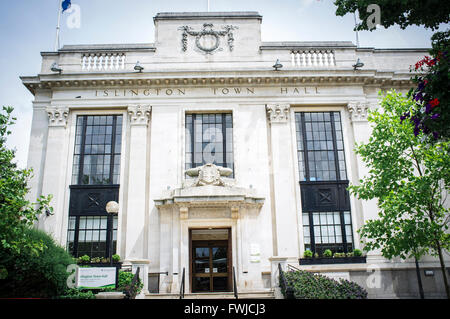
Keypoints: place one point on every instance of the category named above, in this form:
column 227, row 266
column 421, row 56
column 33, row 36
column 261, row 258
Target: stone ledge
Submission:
column 110, row 295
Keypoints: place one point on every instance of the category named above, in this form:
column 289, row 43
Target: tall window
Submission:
column 95, row 179
column 89, row 235
column 97, row 150
column 323, row 182
column 320, row 147
column 209, row 139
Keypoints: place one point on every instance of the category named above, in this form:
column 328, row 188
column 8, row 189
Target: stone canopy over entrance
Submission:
column 210, row 201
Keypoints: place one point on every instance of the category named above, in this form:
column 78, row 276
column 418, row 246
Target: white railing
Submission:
column 102, row 61
column 312, row 58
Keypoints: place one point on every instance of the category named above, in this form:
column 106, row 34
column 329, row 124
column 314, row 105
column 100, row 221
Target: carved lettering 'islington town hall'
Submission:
column 223, row 162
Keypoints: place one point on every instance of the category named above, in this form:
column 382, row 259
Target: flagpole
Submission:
column 357, row 36
column 208, row 5
column 58, row 27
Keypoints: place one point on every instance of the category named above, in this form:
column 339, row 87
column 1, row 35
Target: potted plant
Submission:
column 357, row 253
column 116, row 258
column 328, row 257
column 84, row 259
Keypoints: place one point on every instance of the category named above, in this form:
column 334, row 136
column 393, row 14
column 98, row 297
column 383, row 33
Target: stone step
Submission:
column 215, row 295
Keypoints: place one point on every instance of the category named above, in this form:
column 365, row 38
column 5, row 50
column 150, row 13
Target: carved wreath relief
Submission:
column 208, row 40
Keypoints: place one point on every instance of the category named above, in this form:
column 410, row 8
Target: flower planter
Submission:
column 332, row 260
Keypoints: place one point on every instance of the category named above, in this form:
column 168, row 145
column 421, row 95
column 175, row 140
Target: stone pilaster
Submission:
column 135, row 246
column 358, row 112
column 282, row 176
column 55, row 168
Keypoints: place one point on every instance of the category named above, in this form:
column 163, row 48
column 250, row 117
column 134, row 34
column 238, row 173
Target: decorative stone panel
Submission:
column 358, row 111
column 278, row 113
column 57, row 116
column 139, row 114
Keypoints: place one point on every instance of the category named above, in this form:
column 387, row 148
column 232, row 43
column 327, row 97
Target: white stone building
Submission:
column 140, row 124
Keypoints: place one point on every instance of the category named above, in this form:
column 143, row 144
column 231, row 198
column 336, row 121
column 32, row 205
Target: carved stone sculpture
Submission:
column 209, row 174
column 208, row 33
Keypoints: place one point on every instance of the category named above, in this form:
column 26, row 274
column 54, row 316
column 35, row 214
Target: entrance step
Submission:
column 215, row 295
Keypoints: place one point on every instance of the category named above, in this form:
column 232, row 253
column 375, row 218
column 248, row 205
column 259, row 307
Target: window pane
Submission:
column 347, row 218
column 210, row 142
column 305, row 219
column 96, row 139
column 318, row 137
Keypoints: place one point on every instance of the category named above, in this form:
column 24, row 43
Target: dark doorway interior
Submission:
column 210, row 257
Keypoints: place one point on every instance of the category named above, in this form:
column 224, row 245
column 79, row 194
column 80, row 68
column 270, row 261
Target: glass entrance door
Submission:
column 210, row 266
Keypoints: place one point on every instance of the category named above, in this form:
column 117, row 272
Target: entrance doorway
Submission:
column 210, row 257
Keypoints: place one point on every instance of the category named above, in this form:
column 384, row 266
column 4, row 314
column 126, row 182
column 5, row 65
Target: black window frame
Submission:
column 75, row 251
column 323, row 195
column 226, row 127
column 89, row 199
column 345, row 246
column 303, row 149
column 116, row 145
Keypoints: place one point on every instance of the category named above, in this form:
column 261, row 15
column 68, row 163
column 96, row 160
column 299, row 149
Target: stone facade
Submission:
column 203, row 63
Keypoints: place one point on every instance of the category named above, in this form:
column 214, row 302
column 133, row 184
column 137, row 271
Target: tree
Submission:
column 42, row 275
column 428, row 13
column 410, row 179
column 431, row 114
column 17, row 214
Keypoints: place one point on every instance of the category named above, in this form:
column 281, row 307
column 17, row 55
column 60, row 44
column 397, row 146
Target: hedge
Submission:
column 35, row 275
column 307, row 285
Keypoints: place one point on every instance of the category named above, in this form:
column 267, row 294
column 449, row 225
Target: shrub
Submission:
column 75, row 293
column 357, row 252
column 125, row 279
column 84, row 259
column 307, row 285
column 327, row 253
column 31, row 274
column 308, row 254
column 339, row 255
column 116, row 258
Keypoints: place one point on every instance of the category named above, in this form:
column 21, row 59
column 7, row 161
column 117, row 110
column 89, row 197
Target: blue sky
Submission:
column 27, row 27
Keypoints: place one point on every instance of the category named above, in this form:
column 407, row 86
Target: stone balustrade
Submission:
column 102, row 61
column 313, row 58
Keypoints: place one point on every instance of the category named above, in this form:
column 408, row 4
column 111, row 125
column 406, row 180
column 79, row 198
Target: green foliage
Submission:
column 75, row 293
column 42, row 275
column 357, row 253
column 125, row 279
column 339, row 255
column 327, row 253
column 307, row 285
column 17, row 214
column 308, row 253
column 116, row 258
column 409, row 178
column 84, row 259
column 404, row 13
column 431, row 113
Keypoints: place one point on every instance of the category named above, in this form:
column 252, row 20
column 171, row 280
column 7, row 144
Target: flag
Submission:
column 66, row 5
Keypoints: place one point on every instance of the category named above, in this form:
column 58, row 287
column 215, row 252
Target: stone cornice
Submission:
column 57, row 116
column 243, row 78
